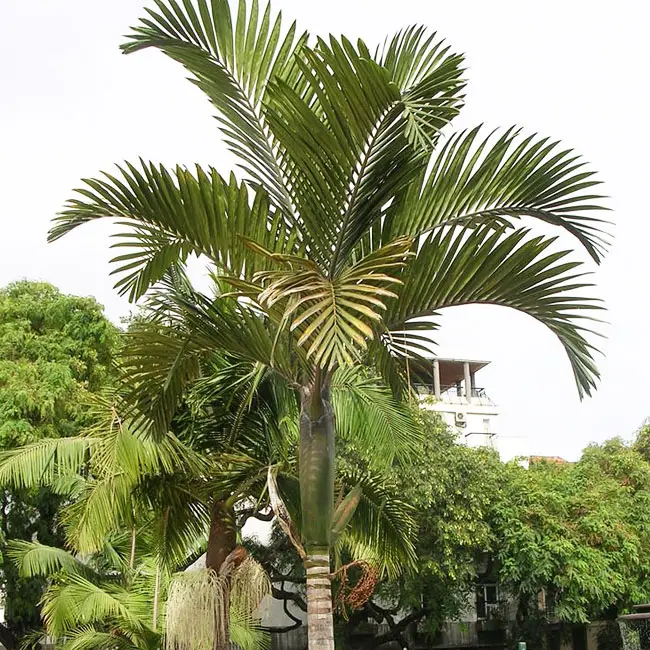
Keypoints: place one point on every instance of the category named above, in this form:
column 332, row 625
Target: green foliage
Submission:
column 642, row 442
column 352, row 217
column 353, row 221
column 88, row 602
column 450, row 489
column 55, row 351
column 579, row 531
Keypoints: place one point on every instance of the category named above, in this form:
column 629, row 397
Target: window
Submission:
column 486, row 425
column 487, row 601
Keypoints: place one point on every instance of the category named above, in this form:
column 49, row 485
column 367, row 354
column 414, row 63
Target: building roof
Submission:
column 453, row 370
column 548, row 459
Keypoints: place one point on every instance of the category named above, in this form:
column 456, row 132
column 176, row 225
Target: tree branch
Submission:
column 396, row 631
column 296, row 621
column 282, row 594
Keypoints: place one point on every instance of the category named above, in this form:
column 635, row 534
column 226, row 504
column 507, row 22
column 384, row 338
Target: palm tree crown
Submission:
column 352, row 217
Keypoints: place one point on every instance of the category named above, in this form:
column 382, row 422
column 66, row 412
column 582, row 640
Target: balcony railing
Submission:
column 478, row 398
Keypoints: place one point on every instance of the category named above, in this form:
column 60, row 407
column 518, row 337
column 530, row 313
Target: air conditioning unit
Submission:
column 460, row 419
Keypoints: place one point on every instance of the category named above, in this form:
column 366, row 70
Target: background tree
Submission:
column 574, row 532
column 451, row 488
column 54, row 351
column 578, row 532
column 642, row 441
column 351, row 225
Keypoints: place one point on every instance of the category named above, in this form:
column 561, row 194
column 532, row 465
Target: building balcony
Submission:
column 452, row 397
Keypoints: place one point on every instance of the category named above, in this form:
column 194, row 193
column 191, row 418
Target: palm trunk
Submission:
column 317, row 500
column 320, row 624
column 222, row 540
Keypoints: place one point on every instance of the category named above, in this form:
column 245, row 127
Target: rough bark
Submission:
column 320, row 624
column 222, row 538
column 222, row 541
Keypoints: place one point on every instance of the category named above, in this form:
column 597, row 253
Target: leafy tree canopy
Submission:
column 579, row 531
column 54, row 351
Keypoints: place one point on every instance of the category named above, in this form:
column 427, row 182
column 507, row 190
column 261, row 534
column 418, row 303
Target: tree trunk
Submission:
column 222, row 540
column 317, row 470
column 320, row 624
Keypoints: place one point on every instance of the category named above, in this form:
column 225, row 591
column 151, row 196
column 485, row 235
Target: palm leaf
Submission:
column 334, row 318
column 174, row 213
column 45, row 461
column 486, row 266
column 369, row 416
column 501, row 178
column 35, row 559
column 232, row 60
column 88, row 637
column 382, row 529
column 79, row 601
column 429, row 77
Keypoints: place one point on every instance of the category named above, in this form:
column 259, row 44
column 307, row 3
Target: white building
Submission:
column 452, row 391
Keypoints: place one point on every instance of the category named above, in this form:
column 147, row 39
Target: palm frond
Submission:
column 90, row 637
column 368, row 415
column 234, row 325
column 232, row 60
column 160, row 363
column 500, row 178
column 78, row 601
column 173, row 213
column 36, row 559
column 181, row 517
column 429, row 77
column 382, row 529
column 246, row 632
column 355, row 137
column 334, row 318
column 488, row 266
column 45, row 461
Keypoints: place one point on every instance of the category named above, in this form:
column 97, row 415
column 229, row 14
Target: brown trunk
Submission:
column 222, row 541
column 320, row 625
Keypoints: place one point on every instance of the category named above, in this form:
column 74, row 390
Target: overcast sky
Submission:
column 71, row 105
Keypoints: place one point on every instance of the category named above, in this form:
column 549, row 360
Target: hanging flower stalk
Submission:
column 199, row 603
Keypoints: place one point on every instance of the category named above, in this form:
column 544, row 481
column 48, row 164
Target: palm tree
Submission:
column 355, row 218
column 187, row 491
column 111, row 599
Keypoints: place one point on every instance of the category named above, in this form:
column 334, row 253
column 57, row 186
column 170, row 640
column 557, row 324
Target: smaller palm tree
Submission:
column 111, row 601
column 236, row 424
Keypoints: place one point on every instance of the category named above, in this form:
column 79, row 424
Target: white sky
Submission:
column 71, row 104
